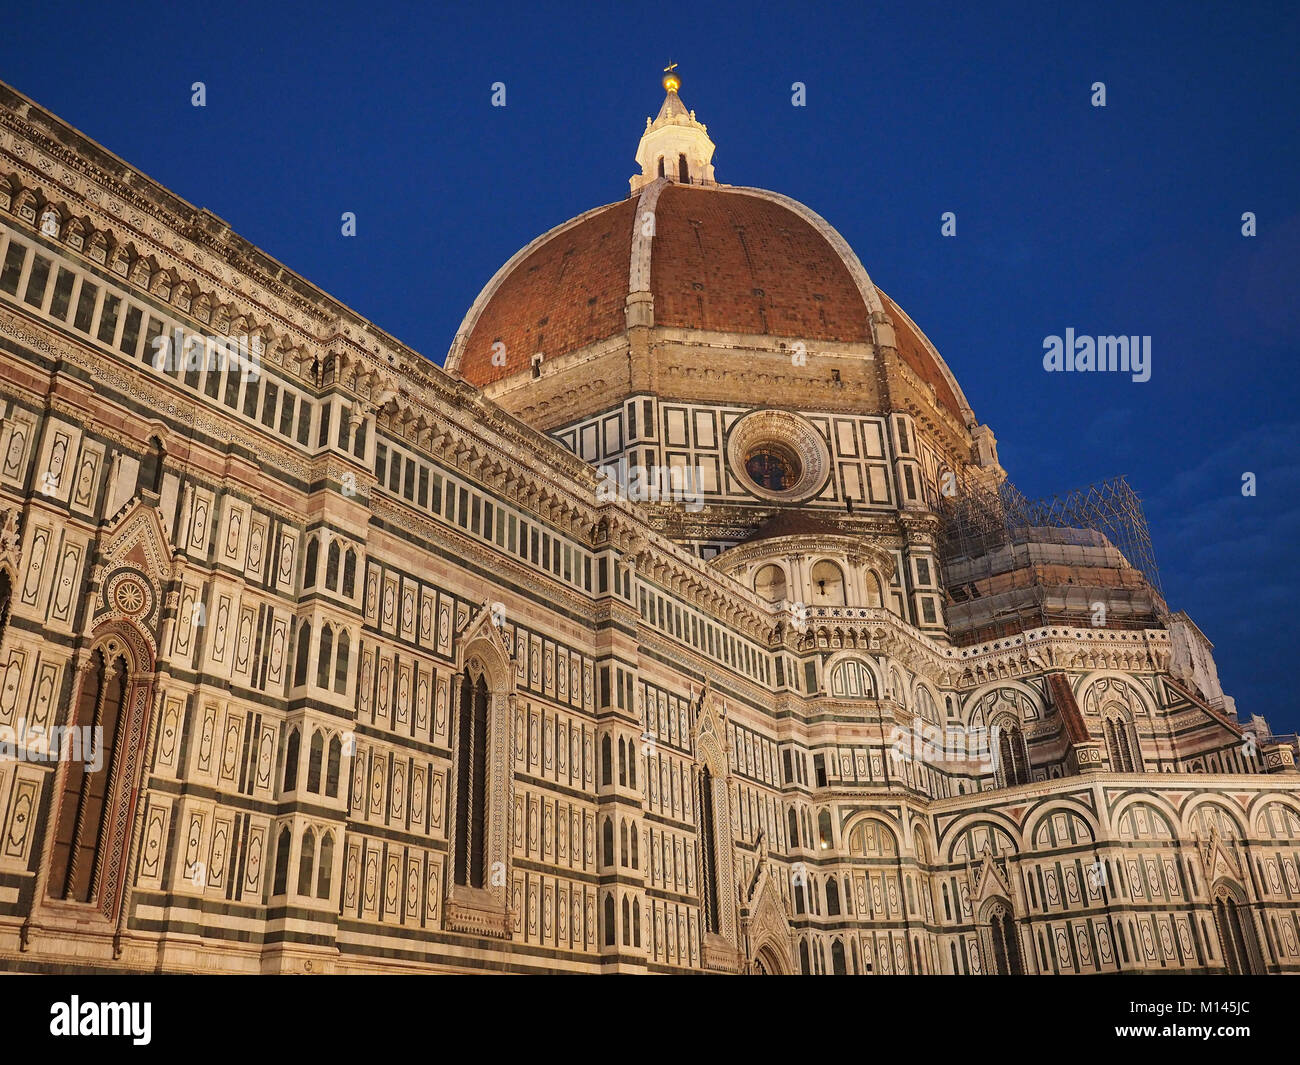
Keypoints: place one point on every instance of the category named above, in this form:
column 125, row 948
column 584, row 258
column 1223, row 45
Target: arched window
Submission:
column 291, row 760
column 309, row 570
column 832, row 897
column 708, row 850
column 824, row 829
column 804, row 967
column 471, row 782
column 798, row 898
column 332, row 567
column 1006, row 942
column 332, row 767
column 324, row 657
column 661, row 166
column 610, row 939
column 341, row 663
column 769, row 582
column 1121, row 744
column 622, row 763
column 300, row 655
column 947, row 904
column 622, row 844
column 1013, row 759
column 635, row 863
column 151, row 469
column 683, row 170
column 794, row 828
column 875, row 597
column 607, row 761
column 837, row 959
column 314, row 759
column 306, row 861
column 282, row 862
column 636, row 922
column 631, row 764
column 827, row 584
column 326, row 870
column 627, row 922
column 84, row 810
column 852, row 680
column 607, row 841
column 1236, row 933
column 350, row 573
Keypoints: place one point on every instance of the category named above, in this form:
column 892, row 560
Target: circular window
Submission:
column 773, row 466
column 778, row 455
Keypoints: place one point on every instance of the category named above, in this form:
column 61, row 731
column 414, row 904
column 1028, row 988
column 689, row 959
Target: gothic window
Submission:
column 607, row 841
column 314, row 760
column 1006, row 942
column 683, row 170
column 326, row 870
column 798, row 898
column 471, row 782
column 332, row 766
column 708, row 851
column 151, row 469
column 300, row 657
column 794, row 828
column 622, row 763
column 947, row 904
column 306, row 861
column 309, row 570
column 609, row 921
column 332, row 567
column 622, row 844
column 824, row 829
column 1013, row 759
column 324, row 657
column 1121, row 743
column 291, row 760
column 607, row 760
column 636, row 922
column 6, row 591
column 661, row 166
column 350, row 573
column 84, row 811
column 1236, row 933
column 631, row 765
column 837, row 959
column 627, row 922
column 635, row 863
column 282, row 862
column 341, row 663
column 804, row 967
column 832, row 897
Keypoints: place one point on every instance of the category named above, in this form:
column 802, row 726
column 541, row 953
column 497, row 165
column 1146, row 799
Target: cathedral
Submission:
column 683, row 621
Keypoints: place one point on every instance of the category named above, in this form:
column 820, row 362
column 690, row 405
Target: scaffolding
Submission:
column 979, row 521
column 1026, row 560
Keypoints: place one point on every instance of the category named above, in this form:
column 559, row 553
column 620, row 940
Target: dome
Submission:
column 719, row 259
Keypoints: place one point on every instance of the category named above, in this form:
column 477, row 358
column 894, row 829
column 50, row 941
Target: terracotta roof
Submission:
column 739, row 263
column 912, row 350
column 568, row 292
column 791, row 523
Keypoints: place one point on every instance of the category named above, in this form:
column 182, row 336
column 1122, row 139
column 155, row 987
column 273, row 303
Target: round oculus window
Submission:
column 778, row 455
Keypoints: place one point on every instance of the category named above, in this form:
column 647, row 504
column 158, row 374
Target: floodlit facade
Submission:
column 685, row 622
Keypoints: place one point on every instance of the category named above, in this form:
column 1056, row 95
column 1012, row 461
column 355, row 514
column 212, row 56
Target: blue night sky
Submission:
column 1117, row 220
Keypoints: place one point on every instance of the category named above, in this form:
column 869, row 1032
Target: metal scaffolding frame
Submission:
column 976, row 522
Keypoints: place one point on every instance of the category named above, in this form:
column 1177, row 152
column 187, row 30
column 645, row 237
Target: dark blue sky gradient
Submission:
column 1122, row 220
